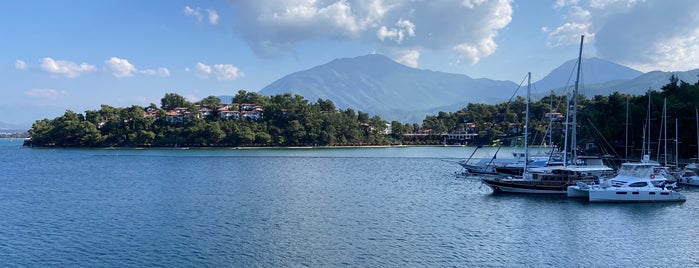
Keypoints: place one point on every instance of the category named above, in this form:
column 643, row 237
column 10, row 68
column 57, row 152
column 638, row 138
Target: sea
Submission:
column 311, row 207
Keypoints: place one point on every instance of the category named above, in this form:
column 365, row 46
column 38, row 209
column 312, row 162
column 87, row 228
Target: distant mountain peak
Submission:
column 376, row 84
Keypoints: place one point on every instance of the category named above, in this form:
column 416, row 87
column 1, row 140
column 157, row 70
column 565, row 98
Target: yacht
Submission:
column 635, row 182
column 688, row 176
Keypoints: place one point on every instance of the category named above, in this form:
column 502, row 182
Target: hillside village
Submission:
column 232, row 111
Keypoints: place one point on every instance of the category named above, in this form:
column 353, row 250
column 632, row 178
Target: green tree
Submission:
column 172, row 101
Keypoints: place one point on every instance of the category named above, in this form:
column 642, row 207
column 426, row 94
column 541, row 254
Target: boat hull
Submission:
column 689, row 181
column 621, row 195
column 575, row 191
column 525, row 186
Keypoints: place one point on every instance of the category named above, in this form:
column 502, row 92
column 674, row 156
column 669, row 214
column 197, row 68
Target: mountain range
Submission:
column 378, row 85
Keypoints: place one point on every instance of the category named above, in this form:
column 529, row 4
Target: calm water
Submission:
column 369, row 207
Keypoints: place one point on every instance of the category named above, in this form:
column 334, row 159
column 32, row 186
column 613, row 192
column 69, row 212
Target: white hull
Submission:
column 630, row 195
column 576, row 192
column 690, row 181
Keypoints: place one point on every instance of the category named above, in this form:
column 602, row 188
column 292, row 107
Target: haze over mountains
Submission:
column 378, row 85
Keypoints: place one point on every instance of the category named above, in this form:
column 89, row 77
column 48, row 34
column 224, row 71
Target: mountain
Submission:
column 593, row 71
column 640, row 85
column 378, row 85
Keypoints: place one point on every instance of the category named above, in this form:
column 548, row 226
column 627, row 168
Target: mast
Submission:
column 696, row 115
column 647, row 130
column 565, row 135
column 574, row 138
column 526, row 127
column 663, row 134
column 551, row 122
column 626, row 132
column 677, row 145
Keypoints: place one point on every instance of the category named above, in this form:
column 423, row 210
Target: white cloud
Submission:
column 65, row 68
column 213, row 16
column 646, row 35
column 578, row 23
column 220, row 71
column 44, row 93
column 120, row 67
column 163, row 72
column 272, row 28
column 565, row 3
column 193, row 12
column 21, row 65
column 123, row 68
column 409, row 58
column 403, row 29
column 226, row 72
column 202, row 70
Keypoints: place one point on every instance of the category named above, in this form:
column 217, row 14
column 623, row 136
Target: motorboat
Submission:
column 635, row 182
column 688, row 177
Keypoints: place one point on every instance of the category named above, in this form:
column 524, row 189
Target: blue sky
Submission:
column 77, row 55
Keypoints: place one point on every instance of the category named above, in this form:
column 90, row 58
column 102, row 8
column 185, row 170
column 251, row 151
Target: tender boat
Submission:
column 635, row 182
column 688, row 177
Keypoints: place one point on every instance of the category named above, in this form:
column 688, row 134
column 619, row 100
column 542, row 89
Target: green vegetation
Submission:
column 285, row 120
column 280, row 120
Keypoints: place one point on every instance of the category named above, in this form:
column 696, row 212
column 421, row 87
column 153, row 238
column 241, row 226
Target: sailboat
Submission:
column 551, row 180
column 690, row 173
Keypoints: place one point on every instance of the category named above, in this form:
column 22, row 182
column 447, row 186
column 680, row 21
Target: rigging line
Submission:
column 517, row 89
column 599, row 133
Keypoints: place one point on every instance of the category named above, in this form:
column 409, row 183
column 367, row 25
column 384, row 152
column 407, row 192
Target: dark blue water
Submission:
column 370, row 207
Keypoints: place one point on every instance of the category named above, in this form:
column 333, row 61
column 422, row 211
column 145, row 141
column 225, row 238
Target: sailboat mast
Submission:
column 677, row 145
column 550, row 130
column 647, row 129
column 574, row 139
column 663, row 134
column 626, row 132
column 526, row 126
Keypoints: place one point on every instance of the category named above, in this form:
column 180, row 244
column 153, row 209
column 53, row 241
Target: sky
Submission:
column 77, row 55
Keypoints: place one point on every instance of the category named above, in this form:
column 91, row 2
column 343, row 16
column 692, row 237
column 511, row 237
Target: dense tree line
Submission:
column 287, row 121
column 294, row 121
column 601, row 118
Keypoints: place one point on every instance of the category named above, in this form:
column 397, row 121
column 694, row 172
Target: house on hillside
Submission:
column 178, row 115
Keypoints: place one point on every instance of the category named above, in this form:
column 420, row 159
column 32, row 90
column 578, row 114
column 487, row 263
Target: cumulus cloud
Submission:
column 21, row 65
column 466, row 28
column 202, row 70
column 120, row 67
column 220, row 71
column 645, row 35
column 211, row 14
column 403, row 29
column 44, row 93
column 409, row 58
column 226, row 72
column 578, row 22
column 123, row 68
column 69, row 69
